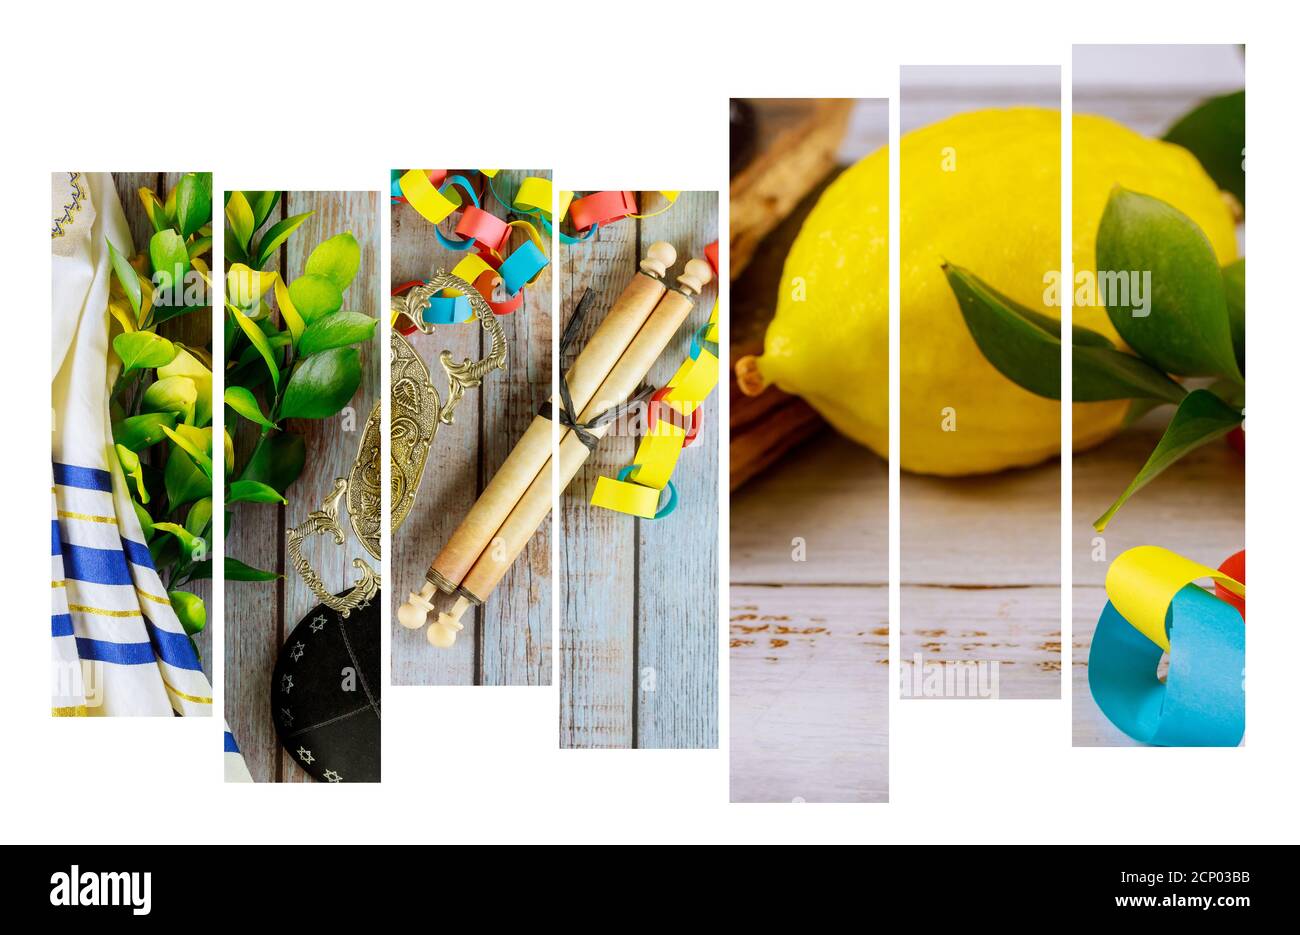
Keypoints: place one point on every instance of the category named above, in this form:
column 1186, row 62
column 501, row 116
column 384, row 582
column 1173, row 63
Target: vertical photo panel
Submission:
column 132, row 447
column 809, row 615
column 302, row 359
column 471, row 371
column 980, row 381
column 638, row 469
column 1158, row 531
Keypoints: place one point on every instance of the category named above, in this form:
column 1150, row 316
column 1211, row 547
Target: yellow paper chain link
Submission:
column 661, row 447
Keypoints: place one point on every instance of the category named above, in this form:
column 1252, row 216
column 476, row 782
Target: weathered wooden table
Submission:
column 639, row 598
column 810, row 629
column 261, row 615
column 507, row 641
column 193, row 330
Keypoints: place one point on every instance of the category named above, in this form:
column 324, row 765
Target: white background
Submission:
column 613, row 96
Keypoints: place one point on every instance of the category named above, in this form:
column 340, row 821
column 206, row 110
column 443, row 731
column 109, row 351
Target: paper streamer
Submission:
column 672, row 424
column 437, row 194
column 1154, row 608
column 600, row 209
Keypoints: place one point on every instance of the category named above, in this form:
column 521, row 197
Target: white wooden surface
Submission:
column 809, row 656
column 638, row 612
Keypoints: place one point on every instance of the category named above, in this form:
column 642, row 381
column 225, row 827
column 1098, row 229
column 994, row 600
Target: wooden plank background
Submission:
column 1197, row 507
column 980, row 565
column 508, row 640
column 809, row 639
column 193, row 330
column 261, row 615
column 638, row 611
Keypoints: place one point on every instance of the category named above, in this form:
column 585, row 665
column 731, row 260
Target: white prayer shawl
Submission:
column 236, row 768
column 118, row 648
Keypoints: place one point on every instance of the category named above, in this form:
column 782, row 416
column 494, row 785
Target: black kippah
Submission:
column 325, row 694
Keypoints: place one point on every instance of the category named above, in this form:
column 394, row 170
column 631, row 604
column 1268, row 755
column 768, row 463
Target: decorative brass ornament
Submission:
column 318, row 523
column 416, row 412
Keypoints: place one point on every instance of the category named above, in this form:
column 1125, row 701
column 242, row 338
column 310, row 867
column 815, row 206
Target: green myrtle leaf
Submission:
column 276, row 235
column 171, row 261
column 274, row 341
column 190, row 611
column 191, row 544
column 192, row 444
column 199, row 246
column 193, row 202
column 199, row 516
column 1181, row 324
column 1201, row 417
column 153, row 207
column 337, row 330
column 288, row 311
column 1215, row 133
column 245, row 403
column 139, row 432
column 1234, row 291
column 262, row 203
column 277, row 460
column 183, row 479
column 1025, row 347
column 127, row 276
column 146, row 521
column 337, row 259
column 258, row 339
column 252, row 491
column 235, row 251
column 164, row 550
column 132, row 468
column 143, row 349
column 315, row 296
column 171, row 394
column 238, row 571
column 322, row 384
column 239, row 220
column 185, row 364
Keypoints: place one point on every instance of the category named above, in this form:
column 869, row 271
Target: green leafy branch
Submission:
column 161, row 402
column 1192, row 323
column 302, row 366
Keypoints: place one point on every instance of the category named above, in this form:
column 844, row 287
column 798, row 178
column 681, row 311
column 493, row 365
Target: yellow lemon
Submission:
column 981, row 190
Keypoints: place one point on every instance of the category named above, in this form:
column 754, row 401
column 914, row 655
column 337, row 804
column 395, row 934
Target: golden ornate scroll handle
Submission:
column 467, row 373
column 319, row 522
column 417, row 409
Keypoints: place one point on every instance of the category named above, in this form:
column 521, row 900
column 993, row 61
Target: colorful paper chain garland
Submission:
column 436, row 194
column 673, row 422
column 1154, row 608
column 600, row 209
